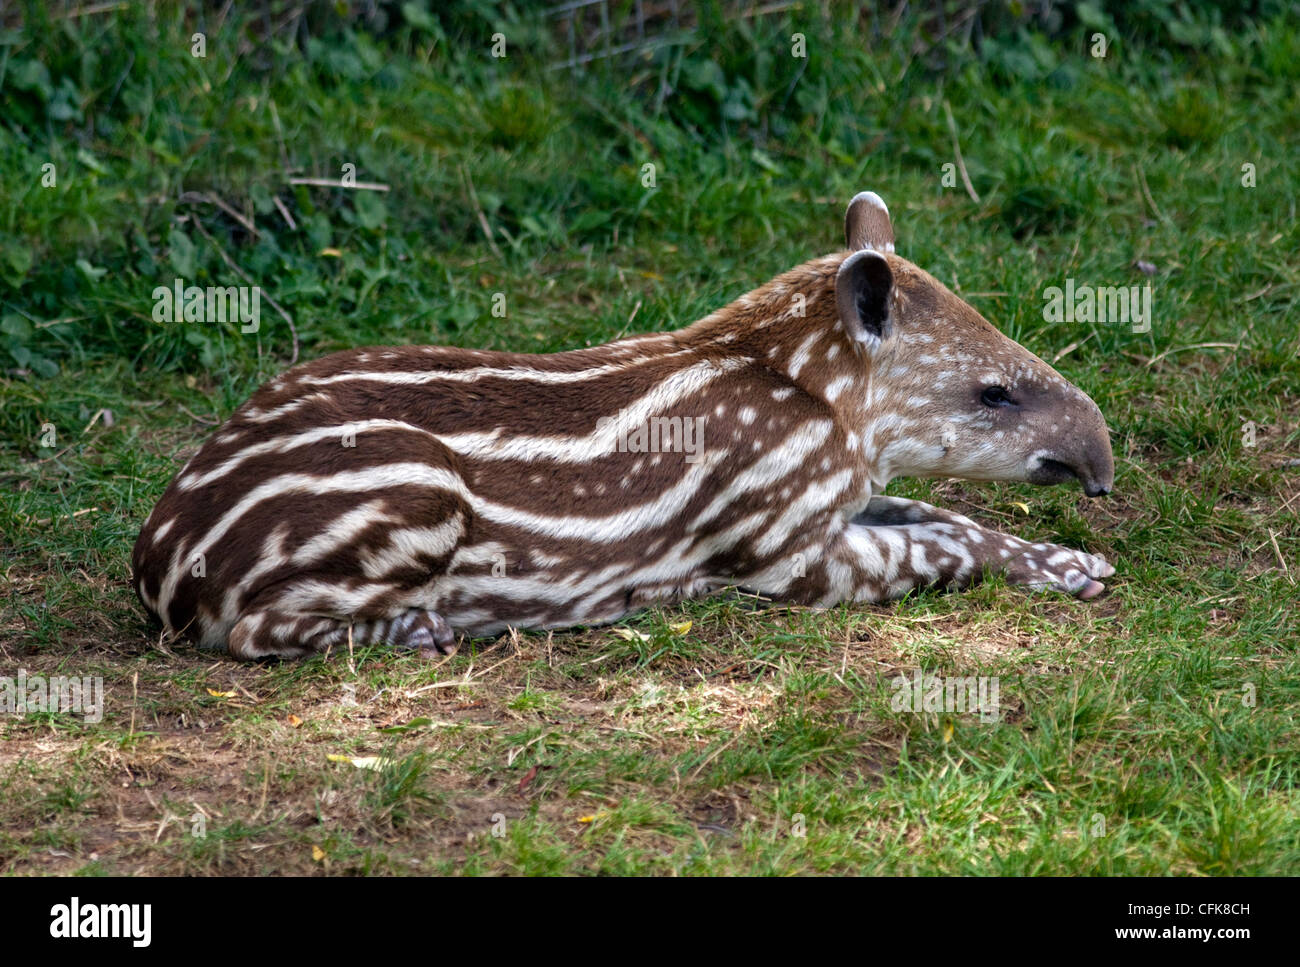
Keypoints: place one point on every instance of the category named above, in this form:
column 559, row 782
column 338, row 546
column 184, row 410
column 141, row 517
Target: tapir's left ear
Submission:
column 864, row 294
column 867, row 224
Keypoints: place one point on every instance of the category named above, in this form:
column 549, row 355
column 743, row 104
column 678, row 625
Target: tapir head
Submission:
column 949, row 395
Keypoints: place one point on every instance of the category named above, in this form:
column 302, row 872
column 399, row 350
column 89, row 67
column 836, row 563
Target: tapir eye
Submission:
column 996, row 396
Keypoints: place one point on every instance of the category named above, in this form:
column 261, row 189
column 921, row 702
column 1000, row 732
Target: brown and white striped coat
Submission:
column 413, row 493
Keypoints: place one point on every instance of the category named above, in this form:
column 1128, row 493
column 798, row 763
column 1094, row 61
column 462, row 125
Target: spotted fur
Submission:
column 407, row 494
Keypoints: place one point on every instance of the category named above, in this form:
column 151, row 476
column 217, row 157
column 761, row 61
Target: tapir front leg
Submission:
column 900, row 510
column 897, row 546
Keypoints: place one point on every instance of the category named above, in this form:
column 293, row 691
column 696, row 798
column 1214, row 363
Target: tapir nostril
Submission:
column 1095, row 490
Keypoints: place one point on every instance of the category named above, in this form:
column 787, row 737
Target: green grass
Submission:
column 1150, row 732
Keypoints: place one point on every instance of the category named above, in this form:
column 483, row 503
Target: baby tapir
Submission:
column 404, row 495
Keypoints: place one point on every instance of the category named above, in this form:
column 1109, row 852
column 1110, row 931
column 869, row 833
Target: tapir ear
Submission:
column 864, row 293
column 867, row 224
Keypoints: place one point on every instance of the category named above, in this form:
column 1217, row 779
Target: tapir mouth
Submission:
column 1048, row 472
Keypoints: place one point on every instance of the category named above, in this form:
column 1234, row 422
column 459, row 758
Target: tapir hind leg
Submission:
column 266, row 632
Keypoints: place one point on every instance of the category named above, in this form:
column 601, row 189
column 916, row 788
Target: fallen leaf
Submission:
column 372, row 762
column 947, row 732
column 680, row 628
column 529, row 776
column 630, row 634
column 317, row 853
column 1020, row 505
column 294, row 720
column 216, row 694
column 332, row 253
